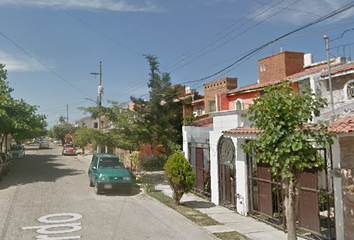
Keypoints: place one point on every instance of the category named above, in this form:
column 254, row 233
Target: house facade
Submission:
column 250, row 188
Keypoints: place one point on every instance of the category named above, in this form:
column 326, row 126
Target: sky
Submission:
column 51, row 47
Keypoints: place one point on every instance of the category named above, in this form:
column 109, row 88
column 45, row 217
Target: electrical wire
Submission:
column 191, row 53
column 255, row 50
column 95, row 29
column 40, row 62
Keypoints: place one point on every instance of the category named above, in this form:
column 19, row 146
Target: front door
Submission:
column 227, row 176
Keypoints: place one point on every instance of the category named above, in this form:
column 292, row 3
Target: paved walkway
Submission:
column 231, row 221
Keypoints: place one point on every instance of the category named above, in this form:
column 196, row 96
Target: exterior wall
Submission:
column 86, row 122
column 247, row 99
column 347, row 164
column 224, row 104
column 222, row 121
column 342, row 104
column 196, row 135
column 279, row 66
column 214, row 88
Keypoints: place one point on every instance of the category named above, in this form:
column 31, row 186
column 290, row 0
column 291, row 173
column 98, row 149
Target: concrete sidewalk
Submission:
column 231, row 220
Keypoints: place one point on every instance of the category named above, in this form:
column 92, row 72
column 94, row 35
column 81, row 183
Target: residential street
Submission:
column 47, row 196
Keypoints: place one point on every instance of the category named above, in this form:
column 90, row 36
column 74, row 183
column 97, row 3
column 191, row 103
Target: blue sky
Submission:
column 50, row 47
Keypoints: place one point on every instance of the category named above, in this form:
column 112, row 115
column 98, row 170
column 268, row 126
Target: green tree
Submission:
column 126, row 126
column 17, row 117
column 25, row 122
column 287, row 139
column 180, row 175
column 160, row 117
column 84, row 136
column 60, row 130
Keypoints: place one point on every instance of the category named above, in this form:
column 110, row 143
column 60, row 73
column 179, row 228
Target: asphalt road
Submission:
column 47, row 196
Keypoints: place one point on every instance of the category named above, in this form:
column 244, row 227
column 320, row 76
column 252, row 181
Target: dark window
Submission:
column 110, row 163
column 95, row 125
column 212, row 106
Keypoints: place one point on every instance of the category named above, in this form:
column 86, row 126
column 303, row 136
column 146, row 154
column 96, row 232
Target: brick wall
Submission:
column 279, row 66
column 213, row 88
column 347, row 164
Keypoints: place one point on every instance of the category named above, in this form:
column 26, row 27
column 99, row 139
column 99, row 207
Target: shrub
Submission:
column 180, row 175
column 134, row 158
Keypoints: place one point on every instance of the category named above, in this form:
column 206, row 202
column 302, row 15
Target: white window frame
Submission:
column 346, row 97
column 239, row 101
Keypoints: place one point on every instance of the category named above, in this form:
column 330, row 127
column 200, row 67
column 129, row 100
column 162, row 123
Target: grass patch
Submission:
column 231, row 236
column 194, row 215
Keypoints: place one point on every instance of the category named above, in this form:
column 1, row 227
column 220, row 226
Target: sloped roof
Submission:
column 243, row 130
column 205, row 122
column 346, row 67
column 343, row 125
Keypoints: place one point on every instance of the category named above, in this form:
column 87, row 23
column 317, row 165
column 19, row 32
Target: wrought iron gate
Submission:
column 227, row 173
column 316, row 200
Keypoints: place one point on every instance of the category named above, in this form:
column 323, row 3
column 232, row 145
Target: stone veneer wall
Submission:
column 347, row 165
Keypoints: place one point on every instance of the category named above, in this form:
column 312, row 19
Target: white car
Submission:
column 17, row 151
column 43, row 144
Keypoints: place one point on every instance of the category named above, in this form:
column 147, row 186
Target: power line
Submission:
column 348, row 30
column 94, row 29
column 254, row 51
column 40, row 62
column 243, row 32
column 186, row 56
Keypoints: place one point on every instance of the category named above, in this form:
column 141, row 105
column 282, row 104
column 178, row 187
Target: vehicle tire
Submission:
column 97, row 188
column 91, row 184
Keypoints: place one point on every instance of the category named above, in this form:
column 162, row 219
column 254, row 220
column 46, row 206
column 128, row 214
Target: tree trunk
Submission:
column 290, row 207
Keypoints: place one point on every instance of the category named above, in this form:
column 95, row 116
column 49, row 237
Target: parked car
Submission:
column 17, row 151
column 68, row 149
column 106, row 172
column 43, row 144
column 5, row 163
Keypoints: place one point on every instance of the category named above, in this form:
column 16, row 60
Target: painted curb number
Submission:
column 63, row 223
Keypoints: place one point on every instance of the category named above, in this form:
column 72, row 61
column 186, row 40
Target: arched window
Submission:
column 239, row 104
column 349, row 90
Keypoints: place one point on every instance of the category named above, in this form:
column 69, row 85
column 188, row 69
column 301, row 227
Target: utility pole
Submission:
column 99, row 99
column 329, row 78
column 67, row 113
column 100, row 87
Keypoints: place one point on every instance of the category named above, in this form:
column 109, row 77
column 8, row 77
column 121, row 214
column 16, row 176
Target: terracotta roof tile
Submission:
column 198, row 101
column 343, row 125
column 242, row 130
column 343, row 68
column 205, row 122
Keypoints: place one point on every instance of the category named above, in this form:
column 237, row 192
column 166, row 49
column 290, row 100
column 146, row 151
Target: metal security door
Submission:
column 227, row 179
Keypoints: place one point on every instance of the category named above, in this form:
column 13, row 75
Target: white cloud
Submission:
column 112, row 5
column 19, row 63
column 303, row 11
